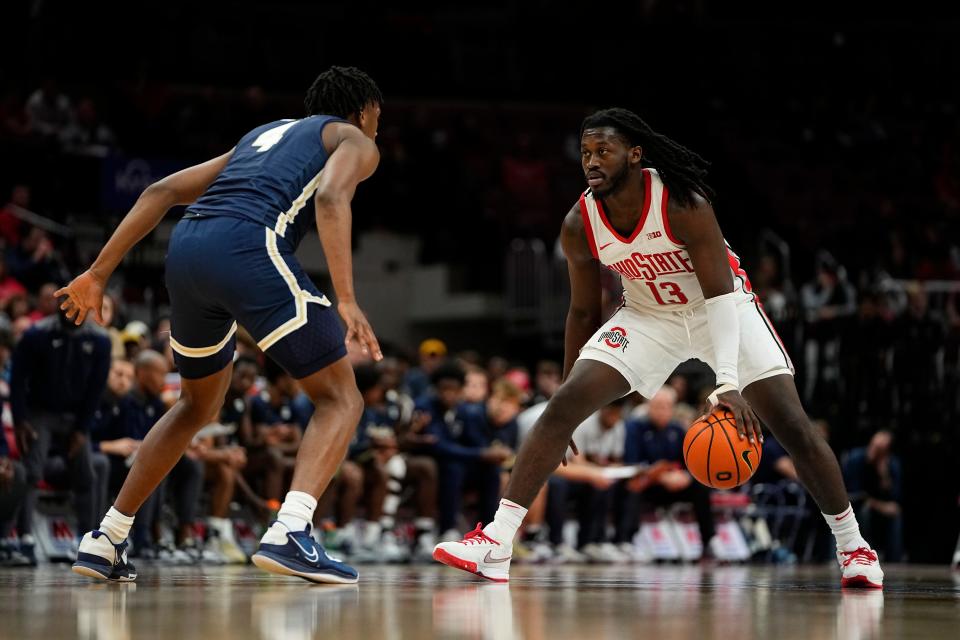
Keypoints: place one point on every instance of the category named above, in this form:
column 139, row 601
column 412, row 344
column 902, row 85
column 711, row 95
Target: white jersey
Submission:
column 654, row 266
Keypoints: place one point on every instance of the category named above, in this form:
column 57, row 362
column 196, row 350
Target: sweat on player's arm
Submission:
column 85, row 292
column 696, row 226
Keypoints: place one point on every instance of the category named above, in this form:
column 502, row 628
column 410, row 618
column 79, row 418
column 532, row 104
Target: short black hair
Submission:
column 449, row 370
column 682, row 170
column 341, row 92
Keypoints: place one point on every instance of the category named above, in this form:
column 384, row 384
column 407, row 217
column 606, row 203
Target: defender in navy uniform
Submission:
column 231, row 260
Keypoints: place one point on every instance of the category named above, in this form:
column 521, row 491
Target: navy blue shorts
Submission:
column 223, row 270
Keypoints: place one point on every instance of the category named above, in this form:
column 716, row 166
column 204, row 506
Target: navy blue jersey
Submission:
column 271, row 178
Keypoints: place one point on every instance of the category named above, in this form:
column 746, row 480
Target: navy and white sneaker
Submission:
column 296, row 553
column 99, row 557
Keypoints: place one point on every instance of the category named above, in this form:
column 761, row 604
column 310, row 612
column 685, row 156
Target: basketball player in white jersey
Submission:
column 647, row 215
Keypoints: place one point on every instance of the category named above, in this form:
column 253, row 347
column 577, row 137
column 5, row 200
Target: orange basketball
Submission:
column 715, row 454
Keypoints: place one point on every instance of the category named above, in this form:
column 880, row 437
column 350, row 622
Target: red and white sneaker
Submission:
column 861, row 568
column 477, row 553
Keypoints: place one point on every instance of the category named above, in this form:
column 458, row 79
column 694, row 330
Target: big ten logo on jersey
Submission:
column 654, row 234
column 615, row 338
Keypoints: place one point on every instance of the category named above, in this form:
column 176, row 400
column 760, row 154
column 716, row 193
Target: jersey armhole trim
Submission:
column 664, row 216
column 587, row 227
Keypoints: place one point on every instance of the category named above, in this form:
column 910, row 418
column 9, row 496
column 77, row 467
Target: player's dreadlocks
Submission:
column 681, row 169
column 341, row 92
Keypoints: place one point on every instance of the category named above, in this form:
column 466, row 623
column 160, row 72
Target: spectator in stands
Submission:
column 600, row 439
column 9, row 286
column 49, row 109
column 465, row 458
column 503, row 406
column 829, row 304
column 874, row 478
column 11, row 223
column 917, row 352
column 34, row 261
column 476, row 386
column 124, row 430
column 13, row 486
column 108, row 313
column 276, row 429
column 58, row 376
column 546, row 381
column 46, row 302
column 265, row 472
column 497, row 367
column 683, row 412
column 85, row 134
column 135, row 337
column 532, row 545
column 432, row 354
column 373, row 445
column 775, row 464
column 519, row 377
column 658, row 438
column 119, row 383
column 392, row 380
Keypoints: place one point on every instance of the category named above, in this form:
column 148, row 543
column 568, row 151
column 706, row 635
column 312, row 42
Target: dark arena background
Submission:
column 834, row 142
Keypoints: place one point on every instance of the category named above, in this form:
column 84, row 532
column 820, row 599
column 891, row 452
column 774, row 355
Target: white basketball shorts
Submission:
column 646, row 347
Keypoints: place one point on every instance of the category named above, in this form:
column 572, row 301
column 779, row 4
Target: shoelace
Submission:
column 477, row 536
column 860, row 555
column 318, row 547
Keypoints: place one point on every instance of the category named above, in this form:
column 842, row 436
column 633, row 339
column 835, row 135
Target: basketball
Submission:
column 715, row 454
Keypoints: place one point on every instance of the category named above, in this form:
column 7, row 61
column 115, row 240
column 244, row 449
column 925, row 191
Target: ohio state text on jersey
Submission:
column 654, row 266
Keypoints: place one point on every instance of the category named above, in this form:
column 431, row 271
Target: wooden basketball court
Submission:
column 541, row 603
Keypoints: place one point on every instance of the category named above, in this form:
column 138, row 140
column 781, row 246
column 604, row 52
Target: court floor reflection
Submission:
column 541, row 603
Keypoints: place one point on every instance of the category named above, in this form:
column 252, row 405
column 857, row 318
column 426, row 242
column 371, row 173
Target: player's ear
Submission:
column 636, row 153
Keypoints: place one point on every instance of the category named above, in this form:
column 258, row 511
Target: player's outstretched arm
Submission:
column 354, row 159
column 85, row 293
column 583, row 317
column 696, row 226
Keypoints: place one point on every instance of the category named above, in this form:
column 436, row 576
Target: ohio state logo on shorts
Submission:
column 616, row 338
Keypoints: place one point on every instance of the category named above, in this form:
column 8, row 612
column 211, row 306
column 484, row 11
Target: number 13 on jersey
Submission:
column 670, row 289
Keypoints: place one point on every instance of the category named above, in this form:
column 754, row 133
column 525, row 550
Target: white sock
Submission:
column 846, row 529
column 505, row 523
column 371, row 533
column 116, row 525
column 297, row 509
column 222, row 526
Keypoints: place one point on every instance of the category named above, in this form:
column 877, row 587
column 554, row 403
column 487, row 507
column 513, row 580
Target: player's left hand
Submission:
column 748, row 424
column 358, row 328
column 573, row 448
column 84, row 294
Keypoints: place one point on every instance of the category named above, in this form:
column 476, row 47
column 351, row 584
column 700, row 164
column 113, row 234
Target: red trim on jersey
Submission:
column 738, row 271
column 665, row 218
column 587, row 226
column 643, row 214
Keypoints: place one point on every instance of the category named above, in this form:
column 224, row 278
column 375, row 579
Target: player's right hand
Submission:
column 84, row 294
column 748, row 424
column 359, row 329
